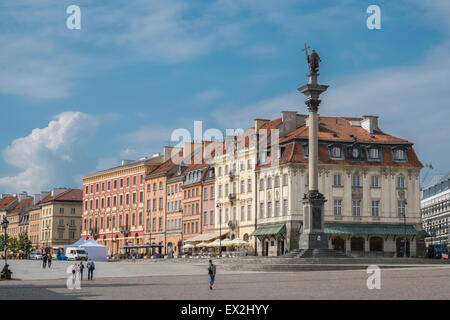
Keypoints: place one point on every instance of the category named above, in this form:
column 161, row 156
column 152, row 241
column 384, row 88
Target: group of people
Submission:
column 80, row 268
column 46, row 260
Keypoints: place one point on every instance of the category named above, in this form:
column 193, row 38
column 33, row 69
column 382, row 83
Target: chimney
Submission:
column 259, row 123
column 370, row 123
column 57, row 191
column 126, row 162
column 290, row 122
column 22, row 196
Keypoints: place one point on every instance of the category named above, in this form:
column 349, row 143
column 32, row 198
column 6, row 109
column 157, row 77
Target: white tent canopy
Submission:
column 96, row 252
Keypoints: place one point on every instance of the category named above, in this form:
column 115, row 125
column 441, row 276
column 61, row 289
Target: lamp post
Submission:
column 220, row 230
column 6, row 273
column 404, row 226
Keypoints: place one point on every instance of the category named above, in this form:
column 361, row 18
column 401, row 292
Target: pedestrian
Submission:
column 91, row 267
column 44, row 260
column 49, row 260
column 81, row 267
column 211, row 274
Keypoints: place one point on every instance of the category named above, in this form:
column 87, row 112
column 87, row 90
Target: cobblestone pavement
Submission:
column 182, row 281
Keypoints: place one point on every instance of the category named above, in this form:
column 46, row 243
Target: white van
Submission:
column 76, row 253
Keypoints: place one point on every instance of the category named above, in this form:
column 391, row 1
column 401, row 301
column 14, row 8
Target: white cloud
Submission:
column 44, row 157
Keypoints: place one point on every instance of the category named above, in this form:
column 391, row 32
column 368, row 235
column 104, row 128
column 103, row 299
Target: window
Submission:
column 220, row 171
column 277, row 181
column 336, row 152
column 249, row 185
column 374, row 154
column 269, row 209
column 401, row 209
column 285, row 207
column 242, row 186
column 60, row 234
column 399, row 154
column 61, row 210
column 374, row 182
column 205, row 194
column 61, row 222
column 227, row 215
column 249, row 212
column 128, row 181
column 72, row 210
column 269, row 183
column 261, row 184
column 285, row 179
column 356, row 181
column 220, row 191
column 401, row 182
column 375, row 208
column 141, row 197
column 261, row 210
column 87, row 190
column 277, row 208
column 305, row 150
column 337, row 180
column 242, row 213
column 356, row 208
column 337, row 208
column 212, row 193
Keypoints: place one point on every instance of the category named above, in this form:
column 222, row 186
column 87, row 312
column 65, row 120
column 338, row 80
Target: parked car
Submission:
column 35, row 255
column 76, row 254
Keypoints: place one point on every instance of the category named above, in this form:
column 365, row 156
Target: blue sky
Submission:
column 76, row 101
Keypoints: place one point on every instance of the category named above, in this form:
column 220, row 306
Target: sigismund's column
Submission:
column 313, row 236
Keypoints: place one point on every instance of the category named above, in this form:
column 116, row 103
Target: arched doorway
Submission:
column 376, row 244
column 401, row 247
column 357, row 244
column 339, row 244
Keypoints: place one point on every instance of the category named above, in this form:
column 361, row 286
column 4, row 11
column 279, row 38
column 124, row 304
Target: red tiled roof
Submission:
column 340, row 129
column 68, row 195
column 22, row 204
column 6, row 201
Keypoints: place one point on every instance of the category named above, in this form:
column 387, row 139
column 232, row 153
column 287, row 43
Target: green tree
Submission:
column 13, row 245
column 24, row 243
column 2, row 242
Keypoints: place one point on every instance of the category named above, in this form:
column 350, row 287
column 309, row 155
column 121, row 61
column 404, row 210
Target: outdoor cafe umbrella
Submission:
column 213, row 244
column 226, row 243
column 201, row 245
column 188, row 246
column 238, row 242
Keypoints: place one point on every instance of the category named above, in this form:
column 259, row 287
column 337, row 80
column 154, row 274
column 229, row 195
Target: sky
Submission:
column 77, row 101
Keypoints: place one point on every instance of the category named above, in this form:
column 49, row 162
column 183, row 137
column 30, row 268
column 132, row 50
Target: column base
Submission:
column 313, row 240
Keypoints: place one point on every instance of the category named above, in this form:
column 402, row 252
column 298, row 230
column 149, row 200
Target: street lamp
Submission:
column 404, row 225
column 6, row 273
column 220, row 230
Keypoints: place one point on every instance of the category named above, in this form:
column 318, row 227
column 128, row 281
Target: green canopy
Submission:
column 370, row 228
column 269, row 230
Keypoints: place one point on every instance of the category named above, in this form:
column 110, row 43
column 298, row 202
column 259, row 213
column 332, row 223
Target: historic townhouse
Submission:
column 17, row 221
column 7, row 204
column 60, row 218
column 435, row 209
column 34, row 214
column 192, row 200
column 369, row 178
column 114, row 200
column 174, row 214
column 156, row 195
column 208, row 200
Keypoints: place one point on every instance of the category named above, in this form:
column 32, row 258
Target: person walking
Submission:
column 44, row 260
column 81, row 267
column 91, row 267
column 49, row 260
column 211, row 274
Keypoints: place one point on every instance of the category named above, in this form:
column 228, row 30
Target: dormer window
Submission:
column 355, row 153
column 374, row 154
column 399, row 154
column 336, row 152
column 305, row 150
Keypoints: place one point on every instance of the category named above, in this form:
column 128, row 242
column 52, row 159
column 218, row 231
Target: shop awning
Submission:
column 270, row 230
column 206, row 236
column 370, row 229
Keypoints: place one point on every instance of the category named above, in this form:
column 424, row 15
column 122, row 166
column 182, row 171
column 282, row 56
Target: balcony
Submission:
column 125, row 230
column 93, row 232
column 232, row 196
column 232, row 224
column 231, row 176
